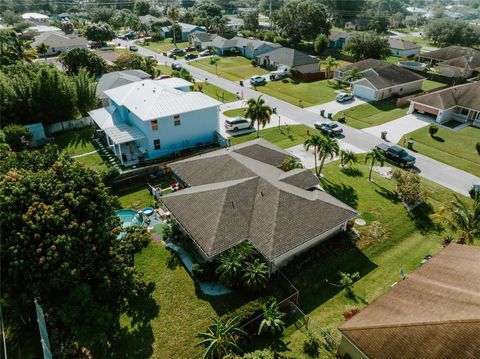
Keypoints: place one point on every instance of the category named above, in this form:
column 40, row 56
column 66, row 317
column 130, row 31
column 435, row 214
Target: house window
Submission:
column 156, row 144
column 154, row 125
column 176, row 120
column 464, row 111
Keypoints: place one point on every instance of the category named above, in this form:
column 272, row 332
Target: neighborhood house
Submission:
column 59, row 42
column 249, row 48
column 302, row 62
column 453, row 61
column 460, row 103
column 115, row 79
column 151, row 118
column 337, row 39
column 201, row 40
column 433, row 313
column 403, row 48
column 187, row 30
column 357, row 24
column 240, row 194
column 381, row 80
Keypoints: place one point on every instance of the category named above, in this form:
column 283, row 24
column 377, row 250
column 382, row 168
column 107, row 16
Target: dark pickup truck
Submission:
column 397, row 154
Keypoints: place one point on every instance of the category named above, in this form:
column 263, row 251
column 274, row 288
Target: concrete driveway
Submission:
column 398, row 128
column 333, row 106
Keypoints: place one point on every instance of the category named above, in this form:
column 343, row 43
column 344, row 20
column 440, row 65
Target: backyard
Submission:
column 372, row 114
column 455, row 148
column 299, row 93
column 232, row 68
column 430, row 85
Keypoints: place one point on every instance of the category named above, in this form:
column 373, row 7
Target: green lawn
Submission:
column 235, row 112
column 232, row 68
column 430, row 85
column 455, row 148
column 164, row 45
column 215, row 92
column 300, row 93
column 137, row 198
column 372, row 114
column 419, row 41
column 164, row 70
column 283, row 136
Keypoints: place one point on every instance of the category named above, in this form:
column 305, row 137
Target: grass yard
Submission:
column 299, row 93
column 164, row 70
column 283, row 136
column 419, row 41
column 232, row 68
column 136, row 198
column 164, row 45
column 235, row 112
column 455, row 148
column 372, row 114
column 215, row 92
column 430, row 85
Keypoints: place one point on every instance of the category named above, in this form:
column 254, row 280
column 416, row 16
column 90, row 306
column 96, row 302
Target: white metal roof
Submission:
column 118, row 131
column 149, row 99
column 34, row 16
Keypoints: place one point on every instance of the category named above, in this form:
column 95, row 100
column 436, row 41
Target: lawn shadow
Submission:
column 421, row 217
column 438, row 139
column 74, row 138
column 341, row 191
column 352, row 172
column 392, row 196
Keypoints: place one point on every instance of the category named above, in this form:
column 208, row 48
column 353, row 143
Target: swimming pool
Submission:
column 129, row 217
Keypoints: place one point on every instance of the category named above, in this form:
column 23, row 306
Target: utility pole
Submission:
column 269, row 15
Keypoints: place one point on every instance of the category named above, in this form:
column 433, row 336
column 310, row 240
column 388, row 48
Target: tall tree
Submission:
column 328, row 148
column 346, row 157
column 329, row 63
column 99, row 32
column 446, row 32
column 302, row 20
column 374, row 156
column 67, row 27
column 76, row 59
column 86, row 87
column 258, row 112
column 58, row 248
column 142, row 7
column 313, row 141
column 42, row 49
column 208, row 14
column 14, row 49
column 461, row 217
column 368, row 45
column 353, row 74
column 250, row 21
column 174, row 15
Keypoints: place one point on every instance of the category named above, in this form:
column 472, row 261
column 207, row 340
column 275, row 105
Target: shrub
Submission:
column 259, row 354
column 311, row 345
column 433, row 129
column 409, row 187
column 254, row 63
column 249, row 310
column 350, row 313
column 197, row 271
column 473, row 193
column 109, row 175
column 447, row 240
column 477, row 147
column 347, row 279
column 17, row 137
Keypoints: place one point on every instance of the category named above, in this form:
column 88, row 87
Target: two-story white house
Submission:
column 150, row 119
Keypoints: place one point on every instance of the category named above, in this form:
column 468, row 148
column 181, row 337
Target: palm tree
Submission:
column 313, row 141
column 346, row 157
column 353, row 74
column 255, row 275
column 258, row 112
column 329, row 63
column 42, row 49
column 290, row 163
column 230, row 267
column 149, row 65
column 375, row 155
column 328, row 148
column 173, row 14
column 245, row 251
column 272, row 320
column 220, row 338
column 459, row 216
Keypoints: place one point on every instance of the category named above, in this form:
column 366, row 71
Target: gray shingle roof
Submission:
column 239, row 194
column 335, row 35
column 289, row 57
column 204, row 36
column 400, row 44
column 119, row 78
column 240, row 42
column 57, row 39
column 459, row 56
column 467, row 95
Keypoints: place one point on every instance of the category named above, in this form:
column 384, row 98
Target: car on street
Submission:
column 206, row 53
column 128, row 36
column 257, row 80
column 329, row 128
column 190, row 56
column 133, row 48
column 397, row 155
column 343, row 96
column 176, row 66
column 174, row 52
column 189, row 49
column 237, row 123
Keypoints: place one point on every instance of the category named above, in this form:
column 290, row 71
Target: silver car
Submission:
column 342, row 97
column 237, row 123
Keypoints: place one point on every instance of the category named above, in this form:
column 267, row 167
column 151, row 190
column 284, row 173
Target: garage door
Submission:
column 364, row 92
column 426, row 109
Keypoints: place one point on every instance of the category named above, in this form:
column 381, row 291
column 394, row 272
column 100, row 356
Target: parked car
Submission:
column 237, row 123
column 189, row 49
column 190, row 56
column 174, row 52
column 329, row 128
column 133, row 48
column 343, row 96
column 176, row 66
column 257, row 80
column 397, row 155
column 128, row 36
column 206, row 53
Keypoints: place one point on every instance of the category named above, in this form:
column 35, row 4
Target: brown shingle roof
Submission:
column 433, row 313
column 388, row 74
column 458, row 56
column 467, row 95
column 239, row 194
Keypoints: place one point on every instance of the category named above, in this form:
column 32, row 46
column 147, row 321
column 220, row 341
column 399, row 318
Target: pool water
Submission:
column 129, row 217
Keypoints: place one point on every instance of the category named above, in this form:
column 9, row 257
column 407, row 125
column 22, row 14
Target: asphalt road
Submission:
column 448, row 176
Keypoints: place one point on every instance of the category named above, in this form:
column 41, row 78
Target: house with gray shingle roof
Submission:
column 241, row 194
column 403, row 48
column 454, row 61
column 302, row 62
column 249, row 48
column 58, row 42
column 381, row 79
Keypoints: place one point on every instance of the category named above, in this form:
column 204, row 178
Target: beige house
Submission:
column 241, row 194
column 454, row 61
column 201, row 40
column 460, row 103
column 381, row 80
column 434, row 313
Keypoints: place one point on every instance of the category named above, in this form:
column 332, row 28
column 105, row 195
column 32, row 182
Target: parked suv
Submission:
column 397, row 155
column 329, row 128
column 237, row 123
column 190, row 56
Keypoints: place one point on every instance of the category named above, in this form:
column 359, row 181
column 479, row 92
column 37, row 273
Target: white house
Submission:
column 150, row 119
column 201, row 40
column 381, row 80
column 403, row 48
column 59, row 42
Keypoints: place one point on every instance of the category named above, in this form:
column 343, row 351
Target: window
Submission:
column 464, row 111
column 156, row 144
column 154, row 125
column 176, row 120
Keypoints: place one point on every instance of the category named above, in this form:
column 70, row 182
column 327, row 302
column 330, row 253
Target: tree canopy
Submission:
column 76, row 59
column 368, row 45
column 99, row 32
column 446, row 32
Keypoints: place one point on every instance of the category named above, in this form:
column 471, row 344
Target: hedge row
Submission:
column 249, row 310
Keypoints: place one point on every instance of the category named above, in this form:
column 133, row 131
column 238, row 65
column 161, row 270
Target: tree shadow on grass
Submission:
column 341, row 191
column 387, row 194
column 421, row 217
column 438, row 139
column 352, row 172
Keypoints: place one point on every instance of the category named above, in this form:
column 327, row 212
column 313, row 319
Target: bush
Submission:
column 254, row 63
column 259, row 354
column 109, row 175
column 17, row 137
column 197, row 271
column 350, row 313
column 473, row 193
column 249, row 310
column 433, row 129
column 311, row 345
column 477, row 147
column 204, row 272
